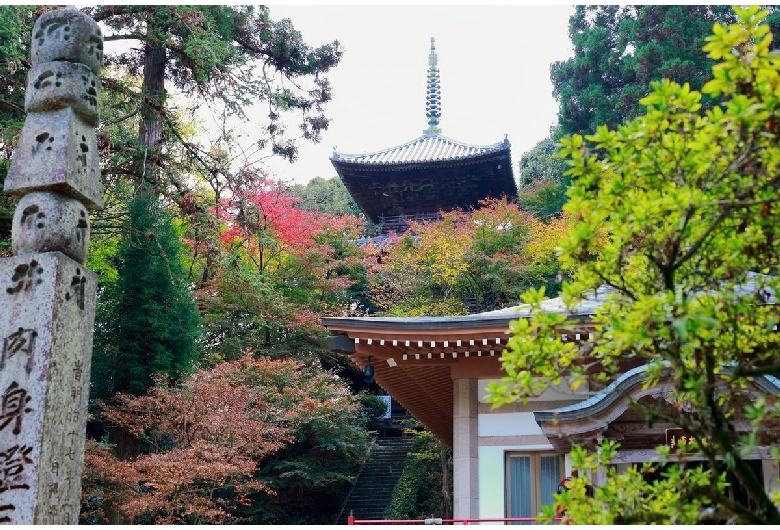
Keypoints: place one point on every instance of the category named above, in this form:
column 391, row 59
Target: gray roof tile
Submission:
column 605, row 397
column 428, row 148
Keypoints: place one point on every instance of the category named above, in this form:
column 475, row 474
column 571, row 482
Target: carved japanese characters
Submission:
column 48, row 304
column 47, row 296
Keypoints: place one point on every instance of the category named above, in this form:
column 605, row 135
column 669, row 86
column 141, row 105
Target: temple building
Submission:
column 507, row 462
column 430, row 174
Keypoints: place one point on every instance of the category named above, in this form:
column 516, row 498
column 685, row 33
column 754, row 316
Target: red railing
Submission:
column 433, row 520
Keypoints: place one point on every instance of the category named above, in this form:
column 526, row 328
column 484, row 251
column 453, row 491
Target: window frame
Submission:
column 535, row 473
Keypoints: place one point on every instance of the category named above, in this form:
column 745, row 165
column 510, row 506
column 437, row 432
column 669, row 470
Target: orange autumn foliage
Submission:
column 471, row 261
column 205, row 438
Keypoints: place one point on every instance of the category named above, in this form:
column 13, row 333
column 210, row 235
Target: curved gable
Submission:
column 611, row 412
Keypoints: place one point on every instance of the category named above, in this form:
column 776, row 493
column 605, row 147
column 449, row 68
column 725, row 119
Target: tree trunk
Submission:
column 127, row 445
column 150, row 130
column 150, row 136
column 127, row 448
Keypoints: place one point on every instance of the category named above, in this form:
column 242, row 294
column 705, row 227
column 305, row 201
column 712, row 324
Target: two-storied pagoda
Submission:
column 419, row 179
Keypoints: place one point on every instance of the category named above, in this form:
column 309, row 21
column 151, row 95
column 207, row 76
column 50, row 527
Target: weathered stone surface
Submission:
column 50, row 222
column 47, row 307
column 47, row 296
column 57, row 152
column 59, row 84
column 67, row 35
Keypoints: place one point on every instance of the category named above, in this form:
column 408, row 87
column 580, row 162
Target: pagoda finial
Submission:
column 432, row 58
column 433, row 95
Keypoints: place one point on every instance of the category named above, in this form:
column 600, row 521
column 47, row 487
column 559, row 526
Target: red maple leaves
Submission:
column 205, row 439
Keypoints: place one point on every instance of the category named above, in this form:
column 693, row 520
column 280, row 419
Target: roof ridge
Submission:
column 426, row 138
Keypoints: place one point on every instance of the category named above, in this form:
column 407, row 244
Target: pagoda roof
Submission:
column 419, row 179
column 423, row 150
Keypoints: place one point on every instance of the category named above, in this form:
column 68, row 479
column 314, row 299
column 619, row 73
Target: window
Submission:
column 531, row 481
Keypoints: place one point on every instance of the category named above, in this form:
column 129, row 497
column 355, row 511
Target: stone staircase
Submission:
column 373, row 490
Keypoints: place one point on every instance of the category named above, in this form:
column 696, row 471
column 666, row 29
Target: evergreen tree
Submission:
column 228, row 56
column 328, row 196
column 618, row 50
column 231, row 56
column 150, row 325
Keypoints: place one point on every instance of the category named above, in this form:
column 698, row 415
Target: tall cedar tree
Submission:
column 151, row 325
column 233, row 56
column 618, row 50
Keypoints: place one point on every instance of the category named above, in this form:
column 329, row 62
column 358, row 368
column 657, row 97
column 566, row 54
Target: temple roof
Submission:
column 499, row 317
column 610, row 413
column 427, row 148
column 417, row 358
column 599, row 402
column 419, row 179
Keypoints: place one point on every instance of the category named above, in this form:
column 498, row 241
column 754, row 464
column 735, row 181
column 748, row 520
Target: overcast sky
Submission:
column 494, row 64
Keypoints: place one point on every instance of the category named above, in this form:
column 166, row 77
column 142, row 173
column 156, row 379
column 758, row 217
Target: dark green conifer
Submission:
column 151, row 325
column 618, row 50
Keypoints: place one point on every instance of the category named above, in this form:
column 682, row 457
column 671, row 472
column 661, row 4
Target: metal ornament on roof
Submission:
column 433, row 95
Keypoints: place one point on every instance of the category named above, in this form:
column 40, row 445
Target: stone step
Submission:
column 373, row 489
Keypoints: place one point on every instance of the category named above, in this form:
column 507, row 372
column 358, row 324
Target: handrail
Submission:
column 437, row 520
column 366, row 456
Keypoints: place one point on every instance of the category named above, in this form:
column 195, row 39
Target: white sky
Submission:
column 493, row 61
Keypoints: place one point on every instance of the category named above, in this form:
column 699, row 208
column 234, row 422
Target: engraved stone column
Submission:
column 47, row 296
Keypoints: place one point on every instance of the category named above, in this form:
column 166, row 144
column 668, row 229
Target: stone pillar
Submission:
column 465, row 457
column 47, row 296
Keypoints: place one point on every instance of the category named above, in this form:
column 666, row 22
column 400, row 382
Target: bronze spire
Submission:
column 433, row 95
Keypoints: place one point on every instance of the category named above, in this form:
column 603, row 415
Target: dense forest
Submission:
column 213, row 276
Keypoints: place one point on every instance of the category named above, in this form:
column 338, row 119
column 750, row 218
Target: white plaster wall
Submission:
column 492, row 478
column 491, row 482
column 561, row 392
column 507, row 424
